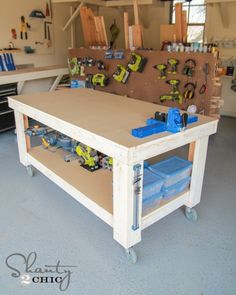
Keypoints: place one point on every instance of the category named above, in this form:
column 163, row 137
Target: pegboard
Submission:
column 12, row 12
column 146, row 85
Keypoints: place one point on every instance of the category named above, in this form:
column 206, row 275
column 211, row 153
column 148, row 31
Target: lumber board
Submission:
column 136, row 14
column 184, row 26
column 126, row 29
column 137, row 33
column 167, row 33
column 178, row 22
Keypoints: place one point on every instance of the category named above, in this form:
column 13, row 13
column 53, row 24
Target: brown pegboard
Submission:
column 146, row 85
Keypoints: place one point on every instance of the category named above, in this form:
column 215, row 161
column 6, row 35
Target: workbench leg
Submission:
column 127, row 203
column 22, row 141
column 55, row 83
column 198, row 151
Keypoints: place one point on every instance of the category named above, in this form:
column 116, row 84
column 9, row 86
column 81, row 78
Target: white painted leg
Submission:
column 20, row 86
column 21, row 138
column 199, row 161
column 55, row 83
column 127, row 203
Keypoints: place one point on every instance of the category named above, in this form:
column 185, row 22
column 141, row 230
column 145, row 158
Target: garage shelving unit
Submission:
column 104, row 121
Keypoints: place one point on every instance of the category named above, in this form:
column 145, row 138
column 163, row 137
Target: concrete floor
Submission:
column 175, row 255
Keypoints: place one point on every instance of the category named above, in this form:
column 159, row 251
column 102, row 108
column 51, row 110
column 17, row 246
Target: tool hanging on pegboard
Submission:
column 47, row 33
column 24, row 28
column 206, row 70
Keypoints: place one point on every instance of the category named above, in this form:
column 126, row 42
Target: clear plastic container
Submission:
column 176, row 188
column 151, row 203
column 172, row 170
column 152, row 183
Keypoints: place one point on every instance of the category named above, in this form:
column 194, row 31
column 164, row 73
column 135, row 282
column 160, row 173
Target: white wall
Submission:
column 10, row 13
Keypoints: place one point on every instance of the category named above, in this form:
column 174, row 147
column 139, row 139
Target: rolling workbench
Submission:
column 104, row 122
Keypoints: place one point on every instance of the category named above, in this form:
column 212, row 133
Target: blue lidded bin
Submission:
column 176, row 188
column 152, row 183
column 173, row 170
column 151, row 203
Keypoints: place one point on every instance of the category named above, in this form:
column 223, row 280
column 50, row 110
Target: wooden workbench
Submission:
column 104, row 122
column 35, row 73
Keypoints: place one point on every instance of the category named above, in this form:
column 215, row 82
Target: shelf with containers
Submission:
column 104, row 122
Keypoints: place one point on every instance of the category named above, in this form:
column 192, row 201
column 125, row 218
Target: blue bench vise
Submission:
column 174, row 122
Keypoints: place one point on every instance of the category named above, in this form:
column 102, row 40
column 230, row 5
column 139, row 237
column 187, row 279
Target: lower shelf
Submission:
column 165, row 208
column 92, row 189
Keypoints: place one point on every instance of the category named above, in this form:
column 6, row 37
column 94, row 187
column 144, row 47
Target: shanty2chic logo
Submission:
column 24, row 268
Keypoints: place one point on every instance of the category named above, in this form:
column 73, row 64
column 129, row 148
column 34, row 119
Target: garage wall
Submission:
column 10, row 13
column 216, row 31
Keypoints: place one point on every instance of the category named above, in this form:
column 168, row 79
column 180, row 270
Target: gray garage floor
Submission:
column 175, row 255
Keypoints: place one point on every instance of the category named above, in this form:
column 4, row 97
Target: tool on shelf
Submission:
column 189, row 67
column 106, row 162
column 137, row 63
column 173, row 63
column 162, row 68
column 121, row 74
column 173, row 122
column 189, row 90
column 88, row 157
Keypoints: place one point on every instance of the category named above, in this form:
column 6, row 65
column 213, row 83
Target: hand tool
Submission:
column 173, row 97
column 121, row 74
column 100, row 79
column 137, row 63
column 173, row 62
column 88, row 157
column 24, row 27
column 162, row 68
column 175, row 86
column 206, row 70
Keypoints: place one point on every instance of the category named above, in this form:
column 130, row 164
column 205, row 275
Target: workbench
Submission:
column 104, row 122
column 34, row 73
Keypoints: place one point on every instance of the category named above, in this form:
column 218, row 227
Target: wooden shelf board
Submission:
column 97, row 186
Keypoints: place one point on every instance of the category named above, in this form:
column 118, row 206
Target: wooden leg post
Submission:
column 22, row 140
column 197, row 153
column 127, row 203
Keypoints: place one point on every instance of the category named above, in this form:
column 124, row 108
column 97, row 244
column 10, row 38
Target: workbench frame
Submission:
column 127, row 220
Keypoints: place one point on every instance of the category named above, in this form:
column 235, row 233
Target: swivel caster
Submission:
column 131, row 255
column 30, row 170
column 191, row 214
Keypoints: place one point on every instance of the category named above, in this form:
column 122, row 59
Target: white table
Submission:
column 30, row 74
column 104, row 121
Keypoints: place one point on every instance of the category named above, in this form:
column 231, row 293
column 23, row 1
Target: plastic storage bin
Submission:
column 152, row 183
column 176, row 188
column 172, row 170
column 151, row 203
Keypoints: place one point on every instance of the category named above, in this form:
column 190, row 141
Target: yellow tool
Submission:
column 88, row 157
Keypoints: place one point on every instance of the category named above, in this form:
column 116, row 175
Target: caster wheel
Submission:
column 131, row 255
column 30, row 171
column 191, row 214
